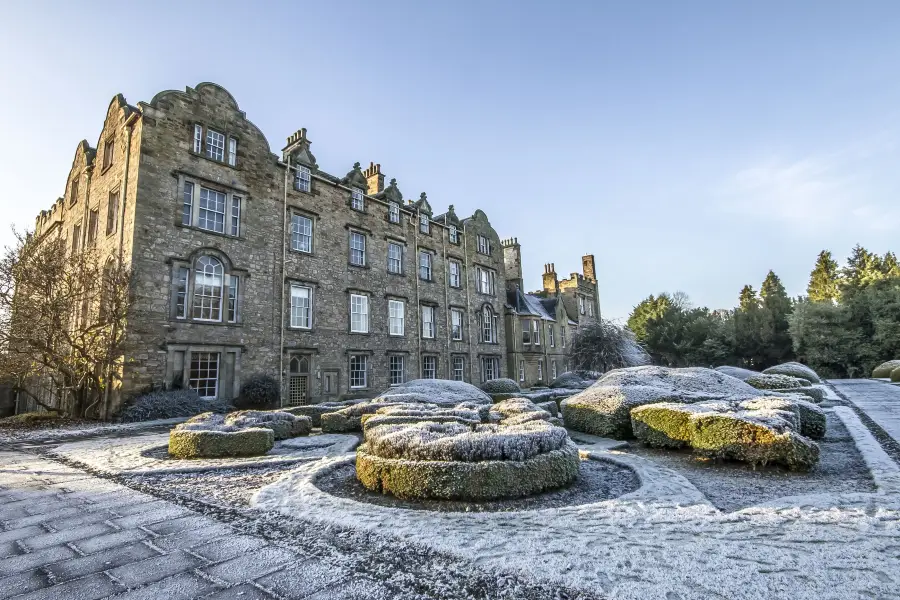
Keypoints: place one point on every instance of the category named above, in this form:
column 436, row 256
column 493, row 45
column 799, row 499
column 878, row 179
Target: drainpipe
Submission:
column 287, row 172
column 447, row 303
column 416, row 266
column 469, row 313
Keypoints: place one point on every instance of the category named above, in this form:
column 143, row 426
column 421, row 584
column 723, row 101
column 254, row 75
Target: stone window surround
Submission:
column 202, row 153
column 495, row 325
column 229, row 191
column 366, row 233
column 359, row 352
column 369, row 311
column 362, row 200
column 109, row 152
column 462, row 322
column 437, row 364
column 434, row 319
column 403, row 246
column 492, row 275
column 431, row 269
column 228, row 268
column 402, row 355
column 114, row 191
column 403, row 301
column 313, row 287
column 222, row 349
column 74, row 188
column 464, row 357
column 312, row 216
column 460, row 271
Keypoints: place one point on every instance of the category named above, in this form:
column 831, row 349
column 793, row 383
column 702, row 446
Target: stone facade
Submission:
column 247, row 262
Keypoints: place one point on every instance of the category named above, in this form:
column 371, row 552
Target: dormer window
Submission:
column 109, row 149
column 424, row 223
column 394, row 212
column 454, row 234
column 215, row 145
column 357, row 199
column 232, row 151
column 302, row 179
column 484, row 245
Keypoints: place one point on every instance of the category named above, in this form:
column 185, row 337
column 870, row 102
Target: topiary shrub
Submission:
column 170, row 404
column 260, row 390
column 29, row 419
column 501, row 386
column 192, row 443
column 775, row 382
column 895, row 374
column 737, row 372
column 794, row 369
column 576, row 380
column 315, row 411
column 883, row 370
column 602, row 346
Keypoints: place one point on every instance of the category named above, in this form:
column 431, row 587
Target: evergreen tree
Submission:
column 889, row 265
column 648, row 308
column 777, row 306
column 823, row 280
column 748, row 299
column 863, row 268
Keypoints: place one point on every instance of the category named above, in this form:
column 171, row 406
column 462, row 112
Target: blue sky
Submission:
column 689, row 145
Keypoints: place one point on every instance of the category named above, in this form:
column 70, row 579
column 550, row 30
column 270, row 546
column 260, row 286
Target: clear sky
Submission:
column 688, row 145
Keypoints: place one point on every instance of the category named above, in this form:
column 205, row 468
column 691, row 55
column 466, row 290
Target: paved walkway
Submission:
column 65, row 534
column 879, row 400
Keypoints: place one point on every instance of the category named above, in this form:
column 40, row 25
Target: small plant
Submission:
column 260, row 390
column 162, row 404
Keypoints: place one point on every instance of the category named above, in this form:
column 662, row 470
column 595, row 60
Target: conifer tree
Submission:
column 777, row 308
column 863, row 268
column 823, row 280
column 748, row 299
column 889, row 265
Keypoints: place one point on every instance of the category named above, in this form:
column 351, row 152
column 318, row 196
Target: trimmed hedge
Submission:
column 762, row 381
column 737, row 372
column 883, row 370
column 188, row 443
column 501, row 386
column 794, row 369
column 260, row 390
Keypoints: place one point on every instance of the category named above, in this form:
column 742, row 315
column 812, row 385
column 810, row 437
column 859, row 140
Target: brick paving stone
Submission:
column 84, row 518
column 229, row 547
column 66, row 535
column 302, row 579
column 178, row 587
column 24, row 562
column 92, row 587
column 177, row 525
column 49, row 507
column 7, row 513
column 35, row 519
column 134, row 505
column 101, row 561
column 162, row 513
column 195, row 537
column 355, row 589
column 110, row 540
column 9, row 549
column 245, row 591
column 154, row 569
column 12, row 535
column 21, row 583
column 252, row 566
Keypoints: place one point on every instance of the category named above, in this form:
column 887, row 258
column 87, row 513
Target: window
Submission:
column 396, row 317
column 488, row 326
column 357, row 249
column 490, row 368
column 553, row 372
column 198, row 138
column 112, row 212
column 76, row 238
column 358, row 370
column 181, row 292
column 357, row 200
column 233, row 281
column 301, row 306
column 581, row 304
column 93, row 223
column 428, row 322
column 551, row 337
column 303, row 179
column 109, row 148
column 187, row 211
column 453, row 234
column 590, row 308
column 521, row 370
column 301, row 233
column 232, row 151
column 424, row 223
column 562, row 337
column 425, row 265
column 395, row 258
column 398, row 373
column 429, row 367
column 484, row 245
column 459, row 368
column 456, row 324
column 215, row 145
column 536, row 332
column 485, row 280
column 359, row 313
column 208, row 276
column 526, row 333
column 212, row 210
column 235, row 215
column 394, row 212
column 73, row 191
column 204, row 375
column 455, row 269
column 540, row 369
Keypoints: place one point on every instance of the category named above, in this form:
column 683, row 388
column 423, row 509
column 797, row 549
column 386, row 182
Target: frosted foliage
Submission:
column 794, row 369
column 737, row 372
column 884, row 369
column 456, row 442
column 649, row 384
column 576, row 379
column 518, row 407
column 500, row 386
column 283, row 422
column 436, row 391
column 763, row 381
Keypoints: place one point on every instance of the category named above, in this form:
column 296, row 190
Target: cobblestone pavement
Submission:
column 877, row 399
column 66, row 534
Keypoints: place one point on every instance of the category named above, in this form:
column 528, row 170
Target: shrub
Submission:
column 794, row 369
column 284, row 425
column 29, row 419
column 260, row 390
column 895, row 374
column 603, row 346
column 775, row 382
column 883, row 370
column 576, row 380
column 738, row 372
column 501, row 386
column 169, row 404
column 188, row 443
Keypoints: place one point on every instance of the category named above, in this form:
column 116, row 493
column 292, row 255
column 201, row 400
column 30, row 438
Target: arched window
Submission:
column 208, row 278
column 488, row 325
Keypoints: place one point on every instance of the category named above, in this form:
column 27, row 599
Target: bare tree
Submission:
column 603, row 346
column 62, row 322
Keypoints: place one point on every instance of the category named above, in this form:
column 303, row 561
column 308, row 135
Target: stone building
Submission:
column 540, row 325
column 247, row 262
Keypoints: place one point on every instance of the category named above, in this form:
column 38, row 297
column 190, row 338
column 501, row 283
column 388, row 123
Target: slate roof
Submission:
column 531, row 305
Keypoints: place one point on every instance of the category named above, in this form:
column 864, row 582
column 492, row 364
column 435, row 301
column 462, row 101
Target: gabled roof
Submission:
column 530, row 305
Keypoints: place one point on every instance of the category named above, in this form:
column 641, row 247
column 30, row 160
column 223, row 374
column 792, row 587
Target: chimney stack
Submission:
column 551, row 283
column 374, row 178
column 587, row 265
column 512, row 262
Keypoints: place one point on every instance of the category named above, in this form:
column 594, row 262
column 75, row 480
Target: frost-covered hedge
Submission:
column 794, row 369
column 576, row 380
column 192, row 443
column 501, row 386
column 169, row 404
column 883, row 370
column 895, row 374
column 260, row 390
column 283, row 425
column 763, row 381
column 737, row 372
column 315, row 411
column 434, row 391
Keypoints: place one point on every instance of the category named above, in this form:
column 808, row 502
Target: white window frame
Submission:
column 540, row 369
column 459, row 368
column 424, row 223
column 352, row 374
column 456, row 324
column 182, row 278
column 208, row 211
column 455, row 274
column 232, row 151
column 232, row 302
column 198, row 138
column 521, row 370
column 581, row 304
column 485, row 280
column 187, row 204
column 203, row 372
column 359, row 309
column 303, row 179
column 395, row 263
column 494, row 368
column 359, row 248
column 425, row 265
column 396, row 317
column 235, row 225
column 396, row 369
column 393, row 212
column 301, row 231
column 554, row 373
column 301, row 316
column 357, row 199
column 488, row 325
column 550, row 336
column 215, row 145
column 453, row 234
column 484, row 245
column 429, row 367
column 214, row 305
column 526, row 333
column 536, row 332
column 429, row 325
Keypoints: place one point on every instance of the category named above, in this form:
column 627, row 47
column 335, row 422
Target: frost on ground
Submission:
column 82, row 428
column 662, row 541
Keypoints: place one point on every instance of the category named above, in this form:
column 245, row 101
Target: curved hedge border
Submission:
column 188, row 443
